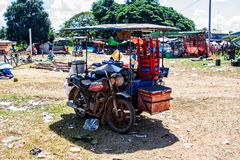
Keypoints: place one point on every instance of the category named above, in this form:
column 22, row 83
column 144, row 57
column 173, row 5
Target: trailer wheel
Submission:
column 125, row 119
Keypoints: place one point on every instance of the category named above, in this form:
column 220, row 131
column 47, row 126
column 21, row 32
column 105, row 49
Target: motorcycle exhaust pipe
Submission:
column 74, row 106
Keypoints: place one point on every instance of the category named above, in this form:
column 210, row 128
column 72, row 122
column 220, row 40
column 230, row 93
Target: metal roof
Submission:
column 192, row 32
column 177, row 34
column 129, row 27
column 80, row 37
column 7, row 41
column 61, row 39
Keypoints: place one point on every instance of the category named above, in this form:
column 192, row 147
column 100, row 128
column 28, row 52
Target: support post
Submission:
column 30, row 40
column 209, row 25
column 130, row 63
column 163, row 48
column 87, row 53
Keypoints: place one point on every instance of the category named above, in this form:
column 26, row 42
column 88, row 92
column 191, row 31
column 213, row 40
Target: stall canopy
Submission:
column 7, row 42
column 136, row 40
column 236, row 42
column 99, row 42
column 176, row 34
column 131, row 27
column 5, row 46
column 61, row 39
column 112, row 42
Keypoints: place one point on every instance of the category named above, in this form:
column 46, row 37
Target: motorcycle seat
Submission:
column 81, row 82
column 85, row 82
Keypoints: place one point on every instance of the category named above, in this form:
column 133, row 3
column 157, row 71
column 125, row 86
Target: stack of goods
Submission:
column 54, row 66
column 148, row 59
column 5, row 71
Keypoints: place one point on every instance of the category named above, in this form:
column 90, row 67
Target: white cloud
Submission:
column 219, row 21
column 120, row 1
column 3, row 7
column 164, row 2
column 61, row 10
column 227, row 23
column 200, row 18
column 220, row 0
column 199, row 12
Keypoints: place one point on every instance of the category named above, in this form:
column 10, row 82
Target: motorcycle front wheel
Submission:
column 78, row 99
column 125, row 119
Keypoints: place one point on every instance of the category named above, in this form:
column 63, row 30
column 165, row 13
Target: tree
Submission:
column 24, row 14
column 204, row 29
column 79, row 20
column 104, row 11
column 51, row 35
column 3, row 33
column 140, row 11
column 148, row 1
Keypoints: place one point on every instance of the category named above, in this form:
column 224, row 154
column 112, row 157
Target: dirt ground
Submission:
column 203, row 122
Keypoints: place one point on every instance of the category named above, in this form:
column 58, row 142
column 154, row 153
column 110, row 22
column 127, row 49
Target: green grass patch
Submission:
column 7, row 113
column 15, row 98
column 58, row 109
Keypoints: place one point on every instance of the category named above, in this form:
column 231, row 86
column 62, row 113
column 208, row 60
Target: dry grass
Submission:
column 205, row 113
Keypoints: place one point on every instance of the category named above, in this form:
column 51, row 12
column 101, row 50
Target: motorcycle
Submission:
column 102, row 99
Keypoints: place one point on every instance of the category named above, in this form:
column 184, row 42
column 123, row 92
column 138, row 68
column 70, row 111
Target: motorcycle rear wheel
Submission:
column 126, row 119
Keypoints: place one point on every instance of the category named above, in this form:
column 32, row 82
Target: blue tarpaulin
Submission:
column 5, row 71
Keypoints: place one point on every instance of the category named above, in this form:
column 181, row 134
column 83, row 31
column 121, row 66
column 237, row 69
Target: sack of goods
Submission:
column 5, row 71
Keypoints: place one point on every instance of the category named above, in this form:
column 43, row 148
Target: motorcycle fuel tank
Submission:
column 100, row 85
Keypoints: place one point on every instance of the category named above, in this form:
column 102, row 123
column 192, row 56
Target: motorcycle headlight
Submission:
column 119, row 80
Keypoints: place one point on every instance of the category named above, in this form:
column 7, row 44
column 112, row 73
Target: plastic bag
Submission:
column 91, row 124
column 67, row 88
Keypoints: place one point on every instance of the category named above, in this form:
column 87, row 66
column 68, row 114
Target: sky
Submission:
column 225, row 13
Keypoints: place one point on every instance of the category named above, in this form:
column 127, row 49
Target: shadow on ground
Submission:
column 114, row 143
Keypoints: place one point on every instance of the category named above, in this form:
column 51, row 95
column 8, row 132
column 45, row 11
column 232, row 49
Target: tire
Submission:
column 114, row 122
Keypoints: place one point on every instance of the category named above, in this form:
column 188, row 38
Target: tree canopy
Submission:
column 139, row 11
column 79, row 20
column 24, row 14
column 3, row 34
column 105, row 11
